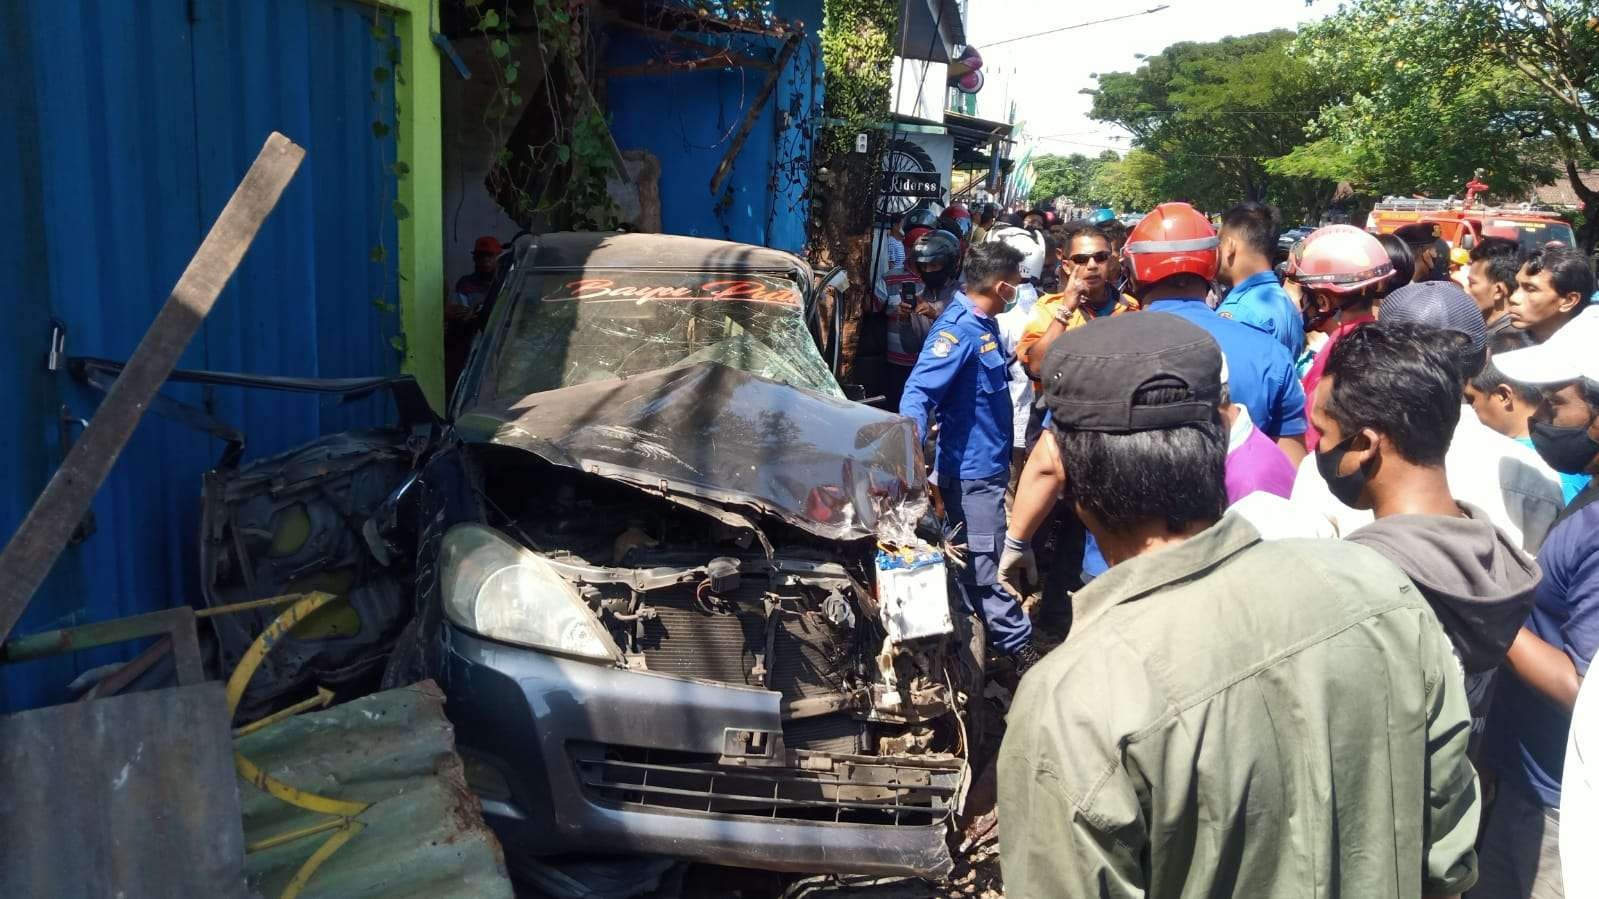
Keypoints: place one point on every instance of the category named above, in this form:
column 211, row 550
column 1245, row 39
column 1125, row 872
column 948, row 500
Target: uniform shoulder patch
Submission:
column 949, row 336
column 1225, row 314
column 943, row 346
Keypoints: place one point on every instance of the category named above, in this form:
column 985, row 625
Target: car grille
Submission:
column 868, row 791
column 808, row 654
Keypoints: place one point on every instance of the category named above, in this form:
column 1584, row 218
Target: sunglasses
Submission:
column 1102, row 257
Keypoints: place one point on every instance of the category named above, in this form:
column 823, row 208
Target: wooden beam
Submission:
column 726, row 165
column 37, row 544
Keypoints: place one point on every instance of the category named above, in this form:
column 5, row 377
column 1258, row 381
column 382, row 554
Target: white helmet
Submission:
column 1029, row 243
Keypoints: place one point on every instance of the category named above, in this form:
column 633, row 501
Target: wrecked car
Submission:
column 641, row 557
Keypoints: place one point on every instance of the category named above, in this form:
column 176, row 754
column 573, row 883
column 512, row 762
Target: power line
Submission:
column 1023, row 37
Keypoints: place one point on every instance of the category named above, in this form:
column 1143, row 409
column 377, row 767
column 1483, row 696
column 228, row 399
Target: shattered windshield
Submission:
column 568, row 329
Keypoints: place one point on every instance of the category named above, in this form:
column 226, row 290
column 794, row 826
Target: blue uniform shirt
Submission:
column 1261, row 375
column 962, row 376
column 1259, row 300
column 1527, row 739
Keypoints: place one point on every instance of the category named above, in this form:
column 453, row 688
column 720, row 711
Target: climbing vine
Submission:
column 385, row 76
column 563, row 174
column 858, row 40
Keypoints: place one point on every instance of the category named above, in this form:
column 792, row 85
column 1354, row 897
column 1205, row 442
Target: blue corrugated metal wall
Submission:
column 688, row 120
column 133, row 123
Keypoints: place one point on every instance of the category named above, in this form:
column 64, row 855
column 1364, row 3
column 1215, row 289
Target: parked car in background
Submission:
column 638, row 556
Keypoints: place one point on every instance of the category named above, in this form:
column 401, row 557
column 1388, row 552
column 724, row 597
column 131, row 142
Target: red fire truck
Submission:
column 1463, row 222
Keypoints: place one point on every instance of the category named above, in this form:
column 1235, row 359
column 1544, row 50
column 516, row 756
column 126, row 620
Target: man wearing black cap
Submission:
column 1201, row 733
column 1431, row 251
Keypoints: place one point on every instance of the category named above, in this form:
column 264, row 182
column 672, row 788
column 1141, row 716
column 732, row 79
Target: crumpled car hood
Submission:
column 834, row 468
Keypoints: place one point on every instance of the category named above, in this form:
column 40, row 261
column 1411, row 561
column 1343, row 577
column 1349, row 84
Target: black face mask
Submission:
column 1345, row 487
column 935, row 281
column 1567, row 450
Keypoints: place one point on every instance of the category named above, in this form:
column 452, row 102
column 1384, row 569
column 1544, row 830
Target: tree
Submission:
column 1435, row 89
column 1215, row 114
column 1129, row 182
column 1061, row 176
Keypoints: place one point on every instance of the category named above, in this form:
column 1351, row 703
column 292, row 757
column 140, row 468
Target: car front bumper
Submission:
column 573, row 756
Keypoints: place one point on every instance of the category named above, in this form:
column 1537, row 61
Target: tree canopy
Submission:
column 1388, row 96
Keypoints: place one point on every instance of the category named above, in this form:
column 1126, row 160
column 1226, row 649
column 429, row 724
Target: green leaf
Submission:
column 400, row 212
column 379, row 33
column 563, row 152
column 382, row 304
column 516, row 99
column 511, row 73
column 377, row 253
column 560, row 16
column 499, row 48
column 400, row 169
column 398, row 342
column 380, row 130
column 381, row 73
column 491, row 19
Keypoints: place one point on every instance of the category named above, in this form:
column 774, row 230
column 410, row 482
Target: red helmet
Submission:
column 1339, row 259
column 1173, row 239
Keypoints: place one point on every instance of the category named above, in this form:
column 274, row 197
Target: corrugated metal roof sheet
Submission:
column 128, row 125
column 101, row 797
column 424, row 833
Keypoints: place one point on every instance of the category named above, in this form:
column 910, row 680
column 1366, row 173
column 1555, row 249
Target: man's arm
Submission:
column 1055, row 844
column 1454, row 804
column 1037, row 490
column 1293, row 447
column 1288, row 407
column 1556, row 672
column 930, row 379
column 1544, row 668
column 1033, row 347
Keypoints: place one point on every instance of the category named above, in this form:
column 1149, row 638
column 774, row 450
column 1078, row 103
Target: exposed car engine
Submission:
column 685, row 594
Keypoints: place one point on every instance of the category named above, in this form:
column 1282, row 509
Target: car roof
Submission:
column 579, row 250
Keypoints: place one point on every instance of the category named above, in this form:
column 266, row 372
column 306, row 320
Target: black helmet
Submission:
column 920, row 217
column 936, row 246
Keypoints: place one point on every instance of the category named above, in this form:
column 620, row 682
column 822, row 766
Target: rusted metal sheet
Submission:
column 124, row 796
column 423, row 834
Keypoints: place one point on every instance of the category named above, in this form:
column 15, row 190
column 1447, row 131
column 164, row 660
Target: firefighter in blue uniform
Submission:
column 962, row 377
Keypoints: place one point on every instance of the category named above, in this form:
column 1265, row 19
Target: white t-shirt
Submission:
column 1277, row 518
column 1011, row 322
column 1507, row 480
column 1579, row 798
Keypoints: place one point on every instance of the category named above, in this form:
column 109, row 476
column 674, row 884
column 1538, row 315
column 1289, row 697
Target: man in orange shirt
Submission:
column 1088, row 293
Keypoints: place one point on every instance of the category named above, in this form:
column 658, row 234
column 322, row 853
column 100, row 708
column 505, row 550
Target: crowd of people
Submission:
column 1324, row 541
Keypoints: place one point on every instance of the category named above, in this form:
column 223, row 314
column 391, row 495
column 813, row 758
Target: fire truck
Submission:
column 1463, row 222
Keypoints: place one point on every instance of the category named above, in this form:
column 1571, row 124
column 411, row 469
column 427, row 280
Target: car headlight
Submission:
column 504, row 591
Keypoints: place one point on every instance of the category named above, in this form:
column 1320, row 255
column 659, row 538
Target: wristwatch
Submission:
column 1063, row 314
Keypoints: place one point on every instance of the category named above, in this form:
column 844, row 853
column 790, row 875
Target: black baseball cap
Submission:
column 1101, row 376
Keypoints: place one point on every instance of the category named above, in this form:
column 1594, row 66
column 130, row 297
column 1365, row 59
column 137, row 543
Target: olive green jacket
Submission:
column 1232, row 717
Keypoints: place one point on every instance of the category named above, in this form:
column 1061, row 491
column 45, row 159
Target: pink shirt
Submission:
column 1255, row 463
column 1313, row 377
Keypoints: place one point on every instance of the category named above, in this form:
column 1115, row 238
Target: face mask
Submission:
column 935, row 281
column 1026, row 297
column 1567, row 450
column 1345, row 487
column 1003, row 288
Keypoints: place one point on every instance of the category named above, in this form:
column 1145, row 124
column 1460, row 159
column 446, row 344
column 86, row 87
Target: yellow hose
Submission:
column 345, row 811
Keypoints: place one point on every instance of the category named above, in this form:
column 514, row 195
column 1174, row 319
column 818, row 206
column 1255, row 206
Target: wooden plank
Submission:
column 726, row 165
column 37, row 544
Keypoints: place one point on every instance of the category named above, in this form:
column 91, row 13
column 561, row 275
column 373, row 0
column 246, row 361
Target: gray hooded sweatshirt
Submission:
column 1478, row 583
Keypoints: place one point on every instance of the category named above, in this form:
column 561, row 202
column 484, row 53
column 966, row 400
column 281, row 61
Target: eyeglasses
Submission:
column 1102, row 257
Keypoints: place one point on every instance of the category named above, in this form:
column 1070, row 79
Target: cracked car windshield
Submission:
column 571, row 329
